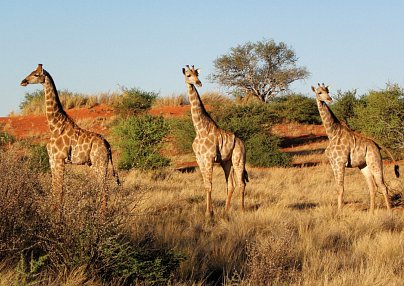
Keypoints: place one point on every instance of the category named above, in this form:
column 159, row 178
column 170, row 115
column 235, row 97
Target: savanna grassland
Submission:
column 156, row 232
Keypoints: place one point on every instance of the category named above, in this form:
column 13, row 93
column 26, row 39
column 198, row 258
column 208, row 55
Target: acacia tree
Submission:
column 262, row 69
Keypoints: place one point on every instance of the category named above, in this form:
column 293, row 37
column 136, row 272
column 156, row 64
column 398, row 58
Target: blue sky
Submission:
column 91, row 46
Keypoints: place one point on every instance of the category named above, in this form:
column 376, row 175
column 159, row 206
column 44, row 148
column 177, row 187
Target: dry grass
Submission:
column 171, row 100
column 291, row 233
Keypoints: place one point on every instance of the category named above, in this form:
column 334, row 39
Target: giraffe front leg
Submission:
column 207, row 171
column 50, row 156
column 57, row 183
column 339, row 172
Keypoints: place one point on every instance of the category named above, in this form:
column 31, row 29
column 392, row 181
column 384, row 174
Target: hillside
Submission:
column 306, row 143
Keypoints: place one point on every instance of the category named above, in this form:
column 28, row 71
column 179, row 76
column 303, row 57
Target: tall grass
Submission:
column 34, row 102
column 290, row 234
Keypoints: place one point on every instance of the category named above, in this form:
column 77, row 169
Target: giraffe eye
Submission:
column 188, row 75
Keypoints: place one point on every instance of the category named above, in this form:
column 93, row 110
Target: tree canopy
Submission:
column 262, row 69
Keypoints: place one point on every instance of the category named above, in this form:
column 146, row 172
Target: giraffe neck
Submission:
column 200, row 116
column 55, row 114
column 330, row 121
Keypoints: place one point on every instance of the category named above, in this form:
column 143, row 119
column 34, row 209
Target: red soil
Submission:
column 36, row 125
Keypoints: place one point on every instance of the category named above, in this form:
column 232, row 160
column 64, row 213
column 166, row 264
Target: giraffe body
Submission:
column 349, row 149
column 70, row 144
column 214, row 145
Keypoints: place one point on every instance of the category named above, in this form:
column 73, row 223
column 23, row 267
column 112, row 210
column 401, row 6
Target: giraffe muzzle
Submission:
column 198, row 84
column 24, row 82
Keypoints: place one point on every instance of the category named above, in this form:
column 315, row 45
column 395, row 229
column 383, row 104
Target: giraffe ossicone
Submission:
column 214, row 145
column 68, row 142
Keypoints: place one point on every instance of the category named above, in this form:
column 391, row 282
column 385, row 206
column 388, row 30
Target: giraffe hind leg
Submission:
column 371, row 185
column 378, row 179
column 229, row 176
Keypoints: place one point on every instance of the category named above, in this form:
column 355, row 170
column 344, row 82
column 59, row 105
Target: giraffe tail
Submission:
column 245, row 176
column 114, row 173
column 396, row 167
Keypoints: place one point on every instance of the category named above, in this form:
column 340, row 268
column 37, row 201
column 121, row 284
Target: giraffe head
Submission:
column 322, row 93
column 191, row 76
column 37, row 76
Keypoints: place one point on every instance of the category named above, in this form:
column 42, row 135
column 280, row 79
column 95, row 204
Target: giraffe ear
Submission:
column 198, row 71
column 313, row 89
column 328, row 87
column 183, row 71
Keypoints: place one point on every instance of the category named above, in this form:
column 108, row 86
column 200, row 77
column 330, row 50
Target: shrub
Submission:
column 6, row 138
column 140, row 139
column 129, row 263
column 40, row 244
column 244, row 120
column 263, row 151
column 134, row 101
column 380, row 115
column 39, row 158
column 296, row 108
column 344, row 105
column 183, row 132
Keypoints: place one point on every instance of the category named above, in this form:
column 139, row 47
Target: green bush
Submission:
column 244, row 120
column 134, row 101
column 39, row 158
column 183, row 132
column 263, row 151
column 129, row 263
column 140, row 139
column 295, row 108
column 6, row 138
column 344, row 105
column 380, row 115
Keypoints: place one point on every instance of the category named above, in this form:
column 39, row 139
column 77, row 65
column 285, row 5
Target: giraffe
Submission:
column 349, row 149
column 214, row 145
column 69, row 144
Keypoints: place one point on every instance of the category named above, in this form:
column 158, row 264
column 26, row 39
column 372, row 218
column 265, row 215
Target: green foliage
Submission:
column 296, row 108
column 263, row 151
column 6, row 138
column 244, row 120
column 134, row 101
column 262, row 69
column 344, row 105
column 249, row 122
column 183, row 132
column 380, row 115
column 128, row 263
column 39, row 158
column 28, row 272
column 33, row 99
column 140, row 139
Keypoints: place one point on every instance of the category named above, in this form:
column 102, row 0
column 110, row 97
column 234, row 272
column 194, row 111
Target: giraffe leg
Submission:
column 378, row 179
column 57, row 182
column 207, row 171
column 371, row 185
column 238, row 160
column 229, row 175
column 339, row 172
column 239, row 172
column 50, row 156
column 99, row 159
